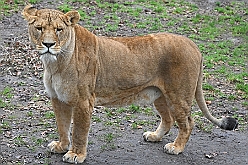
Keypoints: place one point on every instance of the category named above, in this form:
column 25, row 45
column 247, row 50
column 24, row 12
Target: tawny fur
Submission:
column 82, row 70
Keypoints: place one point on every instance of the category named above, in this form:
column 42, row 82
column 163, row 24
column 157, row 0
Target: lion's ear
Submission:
column 29, row 13
column 72, row 17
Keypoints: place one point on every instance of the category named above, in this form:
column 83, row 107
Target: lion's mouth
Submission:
column 47, row 50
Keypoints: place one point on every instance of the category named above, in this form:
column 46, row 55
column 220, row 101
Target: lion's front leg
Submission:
column 81, row 125
column 63, row 120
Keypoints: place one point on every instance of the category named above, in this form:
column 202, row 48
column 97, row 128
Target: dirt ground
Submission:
column 29, row 126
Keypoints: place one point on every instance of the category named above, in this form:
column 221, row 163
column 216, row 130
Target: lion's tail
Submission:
column 226, row 123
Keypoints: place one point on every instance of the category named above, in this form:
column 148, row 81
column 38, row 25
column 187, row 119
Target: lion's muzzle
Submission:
column 48, row 47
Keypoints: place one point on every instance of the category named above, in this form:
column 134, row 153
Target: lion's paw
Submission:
column 170, row 148
column 151, row 137
column 56, row 147
column 71, row 157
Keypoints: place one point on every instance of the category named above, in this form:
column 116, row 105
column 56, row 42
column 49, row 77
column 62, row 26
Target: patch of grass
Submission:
column 178, row 10
column 47, row 124
column 134, row 125
column 243, row 88
column 30, row 113
column 5, row 97
column 65, row 8
column 3, row 104
column 135, row 108
column 159, row 9
column 237, row 78
column 111, row 27
column 121, row 110
column 7, row 92
column 197, row 113
column 19, row 140
column 5, row 125
column 109, row 139
column 139, row 123
column 108, row 123
column 39, row 141
column 33, row 1
column 49, row 115
column 148, row 111
column 96, row 119
column 232, row 97
column 206, row 127
column 83, row 15
column 208, row 87
column 9, row 7
column 109, row 112
column 53, row 136
column 245, row 103
column 36, row 98
column 90, row 142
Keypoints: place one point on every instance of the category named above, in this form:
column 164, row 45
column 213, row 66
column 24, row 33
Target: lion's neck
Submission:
column 50, row 63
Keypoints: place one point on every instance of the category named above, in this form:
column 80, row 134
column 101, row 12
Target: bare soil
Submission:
column 29, row 127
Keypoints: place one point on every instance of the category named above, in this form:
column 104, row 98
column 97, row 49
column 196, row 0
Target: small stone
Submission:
column 18, row 156
column 139, row 126
column 208, row 102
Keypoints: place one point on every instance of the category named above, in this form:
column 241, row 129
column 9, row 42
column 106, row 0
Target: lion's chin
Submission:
column 48, row 57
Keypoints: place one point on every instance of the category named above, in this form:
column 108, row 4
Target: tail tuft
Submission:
column 229, row 123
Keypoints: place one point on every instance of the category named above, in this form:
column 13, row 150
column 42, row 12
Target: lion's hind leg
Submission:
column 185, row 123
column 166, row 121
column 63, row 120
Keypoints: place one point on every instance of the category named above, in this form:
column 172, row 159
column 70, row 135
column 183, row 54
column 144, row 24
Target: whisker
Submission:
column 66, row 51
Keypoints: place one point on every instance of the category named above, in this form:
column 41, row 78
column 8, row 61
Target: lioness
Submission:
column 82, row 70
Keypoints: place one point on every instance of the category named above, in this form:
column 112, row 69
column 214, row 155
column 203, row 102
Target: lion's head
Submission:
column 50, row 30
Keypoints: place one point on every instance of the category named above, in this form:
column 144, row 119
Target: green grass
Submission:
column 208, row 87
column 39, row 141
column 135, row 108
column 33, row 1
column 109, row 139
column 6, row 96
column 3, row 104
column 65, row 8
column 96, row 119
column 138, row 124
column 244, row 88
column 7, row 92
column 49, row 115
column 30, row 113
column 5, row 125
column 19, row 141
column 199, row 123
column 7, row 8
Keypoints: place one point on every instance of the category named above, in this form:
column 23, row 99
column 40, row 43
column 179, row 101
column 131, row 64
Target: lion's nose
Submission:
column 48, row 45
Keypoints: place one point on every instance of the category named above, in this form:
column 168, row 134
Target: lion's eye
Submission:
column 59, row 29
column 39, row 28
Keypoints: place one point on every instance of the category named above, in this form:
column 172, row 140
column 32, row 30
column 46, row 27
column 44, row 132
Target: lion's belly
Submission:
column 144, row 97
